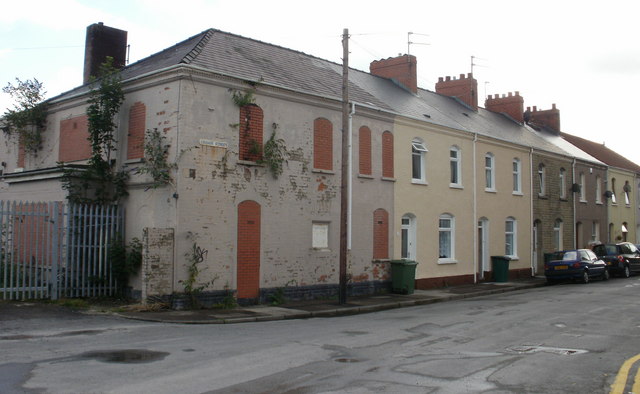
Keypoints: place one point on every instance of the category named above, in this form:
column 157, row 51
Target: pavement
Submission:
column 329, row 308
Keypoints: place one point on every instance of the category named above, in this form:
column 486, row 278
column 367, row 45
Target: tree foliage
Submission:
column 99, row 182
column 29, row 114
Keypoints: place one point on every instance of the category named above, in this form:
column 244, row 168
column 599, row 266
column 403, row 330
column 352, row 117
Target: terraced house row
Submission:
column 435, row 177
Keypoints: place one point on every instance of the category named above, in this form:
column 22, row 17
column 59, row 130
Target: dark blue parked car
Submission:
column 578, row 264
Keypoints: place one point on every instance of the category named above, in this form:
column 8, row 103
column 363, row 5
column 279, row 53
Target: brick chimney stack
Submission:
column 511, row 105
column 549, row 118
column 464, row 89
column 401, row 69
column 103, row 41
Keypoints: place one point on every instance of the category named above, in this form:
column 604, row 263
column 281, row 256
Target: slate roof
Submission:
column 602, row 153
column 269, row 64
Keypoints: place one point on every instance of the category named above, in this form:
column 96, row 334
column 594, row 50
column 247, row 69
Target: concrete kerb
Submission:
column 281, row 313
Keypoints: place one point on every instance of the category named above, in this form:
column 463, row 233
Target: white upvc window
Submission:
column 582, row 188
column 517, row 176
column 598, row 190
column 418, row 161
column 557, row 234
column 455, row 163
column 490, row 172
column 542, row 187
column 595, row 231
column 446, row 238
column 511, row 237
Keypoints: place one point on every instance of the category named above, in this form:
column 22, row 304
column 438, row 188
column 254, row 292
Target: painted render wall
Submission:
column 497, row 205
column 426, row 202
column 212, row 182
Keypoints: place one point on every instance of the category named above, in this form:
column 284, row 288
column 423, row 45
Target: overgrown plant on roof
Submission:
column 28, row 117
column 241, row 98
column 99, row 181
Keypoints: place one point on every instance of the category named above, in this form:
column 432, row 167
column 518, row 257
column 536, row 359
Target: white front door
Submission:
column 408, row 235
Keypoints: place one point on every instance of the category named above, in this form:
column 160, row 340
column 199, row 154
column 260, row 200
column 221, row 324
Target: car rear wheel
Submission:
column 585, row 277
column 605, row 275
column 626, row 272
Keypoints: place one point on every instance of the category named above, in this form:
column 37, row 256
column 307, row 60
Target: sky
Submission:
column 583, row 56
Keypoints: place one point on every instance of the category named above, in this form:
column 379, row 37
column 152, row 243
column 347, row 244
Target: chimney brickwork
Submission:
column 103, row 41
column 549, row 118
column 512, row 105
column 465, row 89
column 401, row 69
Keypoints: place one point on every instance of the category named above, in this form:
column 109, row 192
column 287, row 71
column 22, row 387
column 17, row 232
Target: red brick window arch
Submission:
column 322, row 144
column 364, row 150
column 387, row 154
column 380, row 234
column 137, row 126
column 251, row 126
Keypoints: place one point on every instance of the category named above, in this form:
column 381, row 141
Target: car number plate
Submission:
column 561, row 267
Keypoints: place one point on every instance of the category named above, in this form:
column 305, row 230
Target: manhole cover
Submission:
column 126, row 356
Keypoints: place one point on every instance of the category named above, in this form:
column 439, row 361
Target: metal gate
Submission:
column 57, row 249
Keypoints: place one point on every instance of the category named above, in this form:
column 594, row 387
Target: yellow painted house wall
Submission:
column 621, row 212
column 501, row 203
column 426, row 202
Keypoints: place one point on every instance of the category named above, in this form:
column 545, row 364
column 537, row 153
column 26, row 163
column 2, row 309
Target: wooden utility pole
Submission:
column 344, row 184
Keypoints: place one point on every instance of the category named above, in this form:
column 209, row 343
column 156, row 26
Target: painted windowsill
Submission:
column 365, row 176
column 456, row 186
column 320, row 171
column 490, row 190
column 134, row 161
column 324, row 250
column 517, row 194
column 249, row 163
column 583, row 201
column 419, row 182
column 384, row 178
column 447, row 261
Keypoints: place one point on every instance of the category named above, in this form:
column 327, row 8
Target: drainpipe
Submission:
column 350, row 181
column 475, row 213
column 573, row 197
column 534, row 262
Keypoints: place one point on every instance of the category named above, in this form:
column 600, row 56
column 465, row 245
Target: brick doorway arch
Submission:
column 248, row 258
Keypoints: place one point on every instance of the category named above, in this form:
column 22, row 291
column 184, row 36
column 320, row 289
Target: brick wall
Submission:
column 137, row 126
column 157, row 262
column 387, row 154
column 548, row 208
column 402, row 68
column 464, row 89
column 74, row 143
column 248, row 258
column 364, row 150
column 322, row 144
column 380, row 234
column 251, row 127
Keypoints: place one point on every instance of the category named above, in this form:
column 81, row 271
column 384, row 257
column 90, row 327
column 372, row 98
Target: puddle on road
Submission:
column 125, row 356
